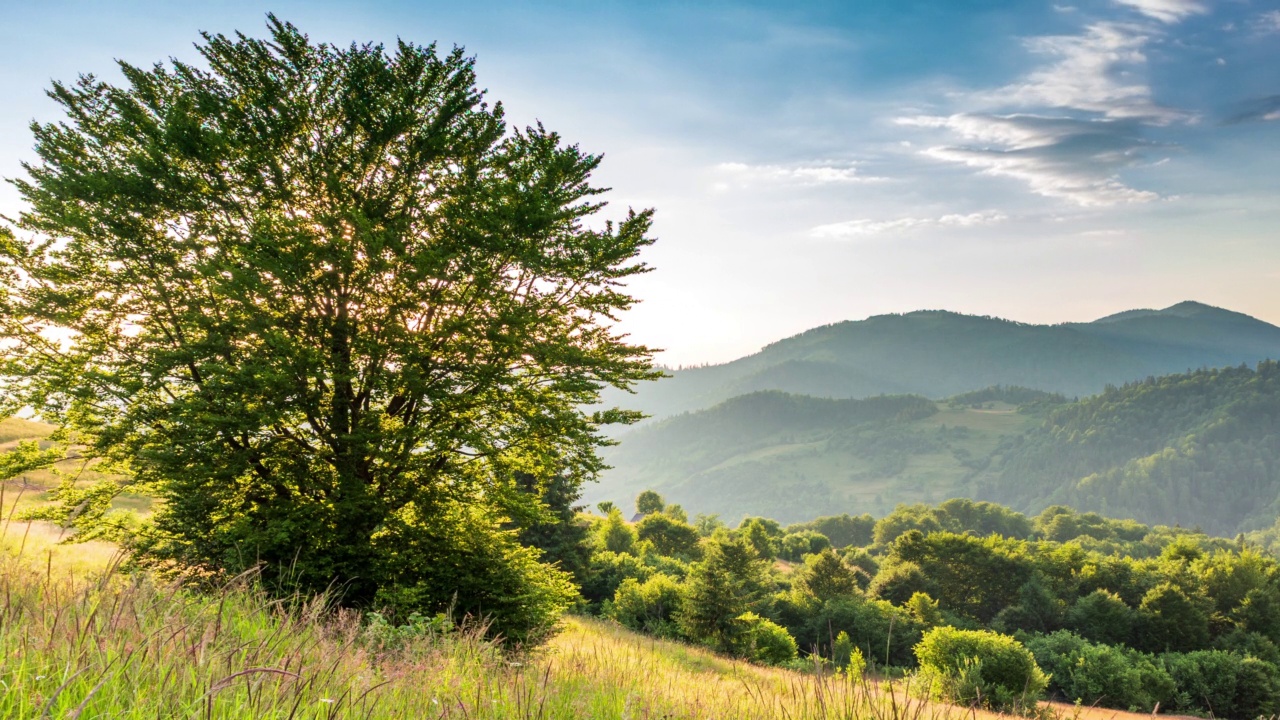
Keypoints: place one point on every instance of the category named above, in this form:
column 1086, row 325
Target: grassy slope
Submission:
column 78, row 641
column 81, row 642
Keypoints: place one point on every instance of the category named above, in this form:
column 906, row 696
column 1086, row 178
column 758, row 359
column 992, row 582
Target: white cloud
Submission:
column 1093, row 72
column 1268, row 22
column 865, row 227
column 797, row 174
column 1167, row 11
column 1076, row 160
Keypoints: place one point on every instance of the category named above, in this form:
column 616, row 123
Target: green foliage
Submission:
column 959, row 515
column 1037, row 610
column 1170, row 621
column 794, row 546
column 825, row 576
column 481, row 570
column 669, row 537
column 28, row 456
column 973, row 577
column 864, row 563
column 842, row 650
column 765, row 535
column 1010, row 394
column 841, row 530
column 650, row 606
column 925, row 610
column 706, row 525
column 1101, row 616
column 898, row 581
column 885, row 634
column 730, row 580
column 615, row 534
column 1197, row 449
column 1097, row 674
column 649, row 502
column 1227, row 685
column 384, row 635
column 608, row 570
column 764, row 641
column 560, row 533
column 330, row 306
column 978, row 667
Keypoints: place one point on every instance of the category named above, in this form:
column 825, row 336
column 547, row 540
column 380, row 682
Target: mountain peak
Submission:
column 1189, row 309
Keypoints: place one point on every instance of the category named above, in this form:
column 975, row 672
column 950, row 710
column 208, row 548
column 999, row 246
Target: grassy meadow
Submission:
column 78, row 639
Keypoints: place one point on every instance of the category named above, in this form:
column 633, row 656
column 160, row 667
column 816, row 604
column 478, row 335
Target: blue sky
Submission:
column 815, row 162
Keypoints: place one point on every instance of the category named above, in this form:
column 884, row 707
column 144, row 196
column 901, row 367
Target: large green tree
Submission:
column 329, row 307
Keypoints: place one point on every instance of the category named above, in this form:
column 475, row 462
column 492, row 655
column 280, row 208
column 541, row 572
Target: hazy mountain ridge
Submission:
column 938, row 354
column 792, row 457
column 1199, row 448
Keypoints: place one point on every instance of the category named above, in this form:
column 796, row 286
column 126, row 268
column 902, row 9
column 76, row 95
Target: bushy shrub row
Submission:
column 1224, row 683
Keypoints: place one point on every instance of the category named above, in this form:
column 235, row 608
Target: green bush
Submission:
column 607, row 572
column 764, row 641
column 1169, row 621
column 897, row 581
column 1101, row 675
column 979, row 667
column 649, row 606
column 1224, row 684
column 1101, row 616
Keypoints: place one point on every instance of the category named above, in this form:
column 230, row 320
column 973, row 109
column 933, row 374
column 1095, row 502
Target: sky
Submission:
column 813, row 162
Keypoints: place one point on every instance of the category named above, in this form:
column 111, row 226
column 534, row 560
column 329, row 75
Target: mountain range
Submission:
column 847, row 418
column 939, row 354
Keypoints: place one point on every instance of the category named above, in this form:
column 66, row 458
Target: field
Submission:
column 82, row 643
column 78, row 639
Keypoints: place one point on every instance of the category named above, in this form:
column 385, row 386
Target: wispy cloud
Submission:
column 1267, row 23
column 1069, row 127
column 1092, row 72
column 1077, row 160
column 865, row 227
column 799, row 174
column 1167, row 11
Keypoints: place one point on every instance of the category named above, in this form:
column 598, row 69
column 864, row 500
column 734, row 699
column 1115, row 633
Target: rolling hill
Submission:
column 793, row 457
column 938, row 354
column 1197, row 449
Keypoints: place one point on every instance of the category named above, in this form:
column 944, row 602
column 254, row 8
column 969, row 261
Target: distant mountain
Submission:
column 1196, row 449
column 938, row 354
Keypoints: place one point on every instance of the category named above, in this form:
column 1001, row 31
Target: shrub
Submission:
column 898, row 581
column 764, row 641
column 649, row 606
column 1223, row 683
column 1169, row 621
column 1101, row 675
column 1243, row 642
column 1101, row 616
column 669, row 537
column 979, row 668
column 607, row 572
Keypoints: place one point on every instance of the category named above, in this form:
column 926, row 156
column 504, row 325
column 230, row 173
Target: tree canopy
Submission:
column 328, row 306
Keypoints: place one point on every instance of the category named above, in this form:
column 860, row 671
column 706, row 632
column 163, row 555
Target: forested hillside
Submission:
column 791, row 457
column 938, row 354
column 1197, row 449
